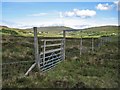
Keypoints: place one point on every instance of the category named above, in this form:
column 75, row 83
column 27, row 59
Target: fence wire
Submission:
column 14, row 69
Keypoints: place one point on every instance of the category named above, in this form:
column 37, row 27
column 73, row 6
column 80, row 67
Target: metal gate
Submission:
column 48, row 52
column 51, row 52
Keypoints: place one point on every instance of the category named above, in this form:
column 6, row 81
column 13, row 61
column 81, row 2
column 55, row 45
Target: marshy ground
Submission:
column 91, row 70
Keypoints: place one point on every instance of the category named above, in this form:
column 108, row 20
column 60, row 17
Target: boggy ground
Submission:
column 92, row 70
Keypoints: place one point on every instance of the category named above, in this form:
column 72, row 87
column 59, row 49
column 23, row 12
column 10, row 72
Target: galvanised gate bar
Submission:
column 48, row 53
column 53, row 54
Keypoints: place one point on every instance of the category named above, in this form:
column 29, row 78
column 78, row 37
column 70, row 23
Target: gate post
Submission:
column 37, row 58
column 64, row 38
column 44, row 48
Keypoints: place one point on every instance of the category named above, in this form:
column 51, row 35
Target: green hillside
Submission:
column 53, row 31
column 53, row 28
column 91, row 70
column 102, row 28
column 98, row 69
column 96, row 31
column 57, row 31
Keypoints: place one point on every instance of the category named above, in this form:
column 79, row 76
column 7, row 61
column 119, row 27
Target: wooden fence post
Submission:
column 92, row 44
column 80, row 46
column 37, row 58
column 101, row 41
column 64, row 41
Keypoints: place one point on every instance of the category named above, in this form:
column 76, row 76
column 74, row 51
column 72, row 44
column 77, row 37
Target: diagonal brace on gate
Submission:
column 38, row 58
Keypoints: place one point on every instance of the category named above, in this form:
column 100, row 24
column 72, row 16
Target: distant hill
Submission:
column 52, row 28
column 61, row 28
column 101, row 28
column 57, row 31
column 3, row 27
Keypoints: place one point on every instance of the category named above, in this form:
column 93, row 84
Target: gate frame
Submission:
column 37, row 53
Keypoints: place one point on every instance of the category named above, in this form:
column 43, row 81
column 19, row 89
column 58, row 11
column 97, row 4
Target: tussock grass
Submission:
column 98, row 69
column 91, row 70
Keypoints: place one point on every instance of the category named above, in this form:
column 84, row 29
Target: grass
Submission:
column 91, row 70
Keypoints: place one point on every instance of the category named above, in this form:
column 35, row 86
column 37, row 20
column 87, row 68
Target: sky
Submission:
column 76, row 15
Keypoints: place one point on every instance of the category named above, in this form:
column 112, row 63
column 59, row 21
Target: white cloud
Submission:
column 38, row 14
column 76, row 23
column 69, row 14
column 79, row 13
column 84, row 13
column 60, row 14
column 117, row 3
column 104, row 6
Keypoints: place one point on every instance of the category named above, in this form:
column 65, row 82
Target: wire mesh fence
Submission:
column 11, row 70
column 17, row 56
column 24, row 50
column 82, row 46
